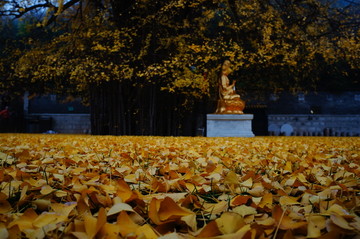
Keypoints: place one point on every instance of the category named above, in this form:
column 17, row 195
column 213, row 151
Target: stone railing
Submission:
column 314, row 125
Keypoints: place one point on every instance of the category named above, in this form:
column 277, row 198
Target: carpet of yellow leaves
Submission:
column 71, row 186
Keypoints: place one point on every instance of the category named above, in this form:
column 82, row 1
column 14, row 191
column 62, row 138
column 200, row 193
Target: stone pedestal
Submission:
column 229, row 125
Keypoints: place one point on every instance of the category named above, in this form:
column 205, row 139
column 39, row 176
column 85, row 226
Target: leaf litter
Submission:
column 77, row 186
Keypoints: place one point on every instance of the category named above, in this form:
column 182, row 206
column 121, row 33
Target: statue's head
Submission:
column 225, row 69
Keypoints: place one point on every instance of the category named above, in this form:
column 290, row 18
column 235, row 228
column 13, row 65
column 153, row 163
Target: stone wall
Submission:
column 314, row 125
column 60, row 123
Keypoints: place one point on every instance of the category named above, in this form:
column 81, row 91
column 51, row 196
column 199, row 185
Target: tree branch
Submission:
column 18, row 11
column 28, row 9
column 66, row 6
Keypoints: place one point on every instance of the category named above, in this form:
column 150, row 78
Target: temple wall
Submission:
column 314, row 125
column 60, row 123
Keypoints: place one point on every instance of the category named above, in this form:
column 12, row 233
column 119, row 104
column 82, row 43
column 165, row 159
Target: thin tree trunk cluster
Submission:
column 119, row 108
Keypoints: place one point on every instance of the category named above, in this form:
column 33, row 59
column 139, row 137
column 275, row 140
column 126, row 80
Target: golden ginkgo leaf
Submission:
column 340, row 221
column 126, row 224
column 5, row 206
column 266, row 201
column 46, row 218
column 339, row 210
column 316, row 223
column 25, row 221
column 90, row 224
column 4, row 233
column 229, row 222
column 170, row 210
column 240, row 200
column 284, row 221
column 191, row 221
column 146, row 231
column 119, row 207
column 209, row 230
column 231, row 178
column 63, row 209
column 110, row 231
column 287, row 200
column 46, row 189
column 244, row 210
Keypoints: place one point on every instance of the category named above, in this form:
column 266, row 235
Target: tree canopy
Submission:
column 178, row 44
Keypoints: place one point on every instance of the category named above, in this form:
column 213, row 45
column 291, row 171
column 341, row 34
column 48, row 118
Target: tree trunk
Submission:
column 118, row 108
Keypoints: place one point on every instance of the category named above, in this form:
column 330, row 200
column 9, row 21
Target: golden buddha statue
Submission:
column 229, row 102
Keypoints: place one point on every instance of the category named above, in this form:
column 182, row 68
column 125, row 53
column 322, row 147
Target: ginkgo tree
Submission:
column 139, row 63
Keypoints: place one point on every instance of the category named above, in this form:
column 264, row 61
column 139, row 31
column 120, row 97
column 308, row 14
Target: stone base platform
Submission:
column 229, row 125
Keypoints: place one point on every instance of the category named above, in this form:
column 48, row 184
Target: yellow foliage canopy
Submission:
column 179, row 44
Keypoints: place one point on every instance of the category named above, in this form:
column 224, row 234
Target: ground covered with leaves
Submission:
column 70, row 186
